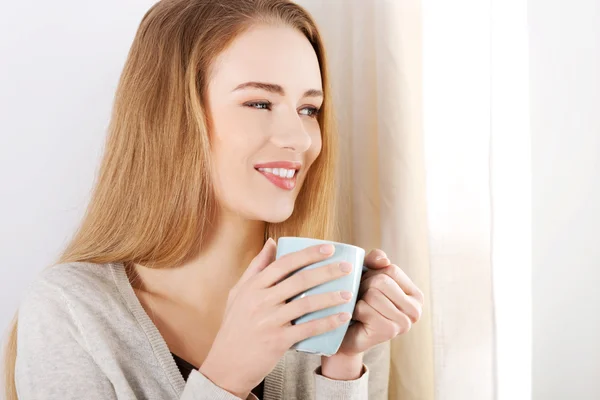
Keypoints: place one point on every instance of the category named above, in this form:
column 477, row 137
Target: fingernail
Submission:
column 327, row 249
column 345, row 267
column 380, row 258
column 344, row 316
column 346, row 295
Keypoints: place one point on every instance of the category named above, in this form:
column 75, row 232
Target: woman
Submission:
column 221, row 137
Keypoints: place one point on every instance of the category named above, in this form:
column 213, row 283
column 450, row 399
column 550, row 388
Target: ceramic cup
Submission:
column 327, row 343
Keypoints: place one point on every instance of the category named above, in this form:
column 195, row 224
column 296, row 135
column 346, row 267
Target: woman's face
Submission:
column 263, row 97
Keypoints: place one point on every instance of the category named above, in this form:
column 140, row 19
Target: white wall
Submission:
column 565, row 107
column 510, row 163
column 59, row 65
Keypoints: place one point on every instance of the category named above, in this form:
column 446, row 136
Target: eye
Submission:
column 259, row 105
column 310, row 111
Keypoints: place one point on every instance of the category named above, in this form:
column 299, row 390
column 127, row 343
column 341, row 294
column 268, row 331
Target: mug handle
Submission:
column 364, row 269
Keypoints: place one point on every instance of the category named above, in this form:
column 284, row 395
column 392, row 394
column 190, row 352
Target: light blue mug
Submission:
column 327, row 343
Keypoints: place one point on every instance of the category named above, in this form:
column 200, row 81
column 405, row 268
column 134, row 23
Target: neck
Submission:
column 231, row 246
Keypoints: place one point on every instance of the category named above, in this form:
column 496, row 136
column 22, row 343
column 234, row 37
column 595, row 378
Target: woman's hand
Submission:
column 388, row 304
column 256, row 330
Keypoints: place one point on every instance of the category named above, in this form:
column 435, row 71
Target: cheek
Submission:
column 230, row 149
column 230, row 155
column 233, row 137
column 315, row 147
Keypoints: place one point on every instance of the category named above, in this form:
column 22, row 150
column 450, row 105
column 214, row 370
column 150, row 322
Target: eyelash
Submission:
column 314, row 111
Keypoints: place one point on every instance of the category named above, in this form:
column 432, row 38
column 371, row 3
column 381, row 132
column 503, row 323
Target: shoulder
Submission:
column 75, row 276
column 72, row 281
column 64, row 289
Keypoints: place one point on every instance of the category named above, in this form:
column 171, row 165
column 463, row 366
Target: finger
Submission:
column 285, row 265
column 297, row 308
column 307, row 279
column 377, row 259
column 363, row 312
column 265, row 257
column 400, row 277
column 362, row 333
column 390, row 289
column 375, row 324
column 296, row 333
column 385, row 307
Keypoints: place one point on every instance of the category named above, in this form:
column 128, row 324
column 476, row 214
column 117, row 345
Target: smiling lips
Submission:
column 281, row 173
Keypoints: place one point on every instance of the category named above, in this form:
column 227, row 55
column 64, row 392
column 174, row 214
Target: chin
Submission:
column 276, row 215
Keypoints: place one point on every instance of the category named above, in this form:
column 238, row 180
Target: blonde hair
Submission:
column 153, row 199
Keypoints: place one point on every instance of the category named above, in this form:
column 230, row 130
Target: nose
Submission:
column 291, row 134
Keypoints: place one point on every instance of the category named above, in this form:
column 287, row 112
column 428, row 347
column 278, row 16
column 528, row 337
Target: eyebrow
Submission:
column 277, row 89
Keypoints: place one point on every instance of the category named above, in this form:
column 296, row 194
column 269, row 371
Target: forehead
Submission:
column 274, row 54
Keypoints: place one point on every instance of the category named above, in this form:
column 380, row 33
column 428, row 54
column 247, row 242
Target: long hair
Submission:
column 153, row 199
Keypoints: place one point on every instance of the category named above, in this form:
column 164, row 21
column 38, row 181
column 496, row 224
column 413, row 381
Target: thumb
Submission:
column 261, row 261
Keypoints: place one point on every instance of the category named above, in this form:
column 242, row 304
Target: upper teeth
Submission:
column 281, row 172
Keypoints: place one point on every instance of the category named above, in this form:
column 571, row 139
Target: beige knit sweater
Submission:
column 83, row 334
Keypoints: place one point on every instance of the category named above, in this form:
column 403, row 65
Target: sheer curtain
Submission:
column 415, row 176
column 376, row 67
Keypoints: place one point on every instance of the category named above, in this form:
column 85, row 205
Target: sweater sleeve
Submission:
column 52, row 359
column 372, row 384
column 199, row 387
column 357, row 389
